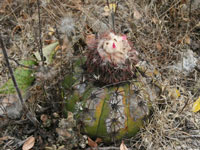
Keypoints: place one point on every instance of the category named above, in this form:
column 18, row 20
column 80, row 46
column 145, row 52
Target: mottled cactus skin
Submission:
column 110, row 112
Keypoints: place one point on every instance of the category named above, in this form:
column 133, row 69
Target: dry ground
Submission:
column 163, row 31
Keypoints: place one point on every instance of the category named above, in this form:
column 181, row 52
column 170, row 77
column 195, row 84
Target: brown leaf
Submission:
column 29, row 143
column 4, row 138
column 70, row 116
column 187, row 40
column 91, row 143
column 63, row 132
column 123, row 146
column 179, row 41
column 136, row 15
column 155, row 20
column 47, row 42
column 78, row 4
column 4, row 4
column 98, row 140
column 16, row 29
column 158, row 46
column 24, row 15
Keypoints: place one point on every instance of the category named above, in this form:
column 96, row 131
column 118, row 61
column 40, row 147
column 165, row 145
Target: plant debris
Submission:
column 165, row 33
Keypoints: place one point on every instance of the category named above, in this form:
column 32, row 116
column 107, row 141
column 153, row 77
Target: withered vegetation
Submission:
column 164, row 32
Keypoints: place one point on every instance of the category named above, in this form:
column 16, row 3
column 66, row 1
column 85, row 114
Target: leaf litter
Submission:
column 165, row 33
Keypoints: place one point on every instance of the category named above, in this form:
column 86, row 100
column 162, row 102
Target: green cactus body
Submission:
column 109, row 112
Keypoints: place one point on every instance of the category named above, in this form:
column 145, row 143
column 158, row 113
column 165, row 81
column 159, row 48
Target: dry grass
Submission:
column 160, row 31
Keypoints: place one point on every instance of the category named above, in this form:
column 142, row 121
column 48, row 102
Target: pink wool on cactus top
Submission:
column 115, row 48
column 110, row 54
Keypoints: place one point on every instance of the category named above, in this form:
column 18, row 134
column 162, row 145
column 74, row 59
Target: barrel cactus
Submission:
column 107, row 89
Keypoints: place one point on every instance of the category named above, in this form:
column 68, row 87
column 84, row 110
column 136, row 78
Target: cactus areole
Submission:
column 117, row 108
column 111, row 58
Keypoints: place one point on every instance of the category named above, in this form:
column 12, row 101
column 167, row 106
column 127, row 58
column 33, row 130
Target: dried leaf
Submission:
column 155, row 20
column 16, row 29
column 196, row 105
column 91, row 143
column 186, row 19
column 187, row 40
column 48, row 52
column 158, row 46
column 4, row 138
column 29, row 143
column 137, row 15
column 51, row 31
column 57, row 48
column 98, row 140
column 24, row 15
column 123, row 146
column 156, row 72
column 4, row 4
column 70, row 116
column 63, row 133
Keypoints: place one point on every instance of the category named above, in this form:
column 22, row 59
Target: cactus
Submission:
column 107, row 91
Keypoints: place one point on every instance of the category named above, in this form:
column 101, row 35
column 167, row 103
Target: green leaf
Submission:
column 23, row 76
